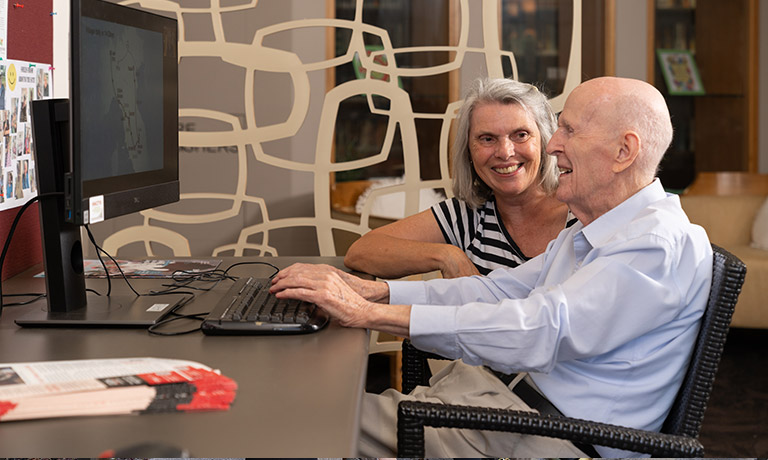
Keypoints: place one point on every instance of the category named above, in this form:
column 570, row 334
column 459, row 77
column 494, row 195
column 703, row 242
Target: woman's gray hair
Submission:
column 467, row 185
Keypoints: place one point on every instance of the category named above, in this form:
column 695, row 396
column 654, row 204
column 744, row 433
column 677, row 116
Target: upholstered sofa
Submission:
column 728, row 220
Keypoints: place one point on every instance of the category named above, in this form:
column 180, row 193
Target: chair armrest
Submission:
column 413, row 416
column 415, row 368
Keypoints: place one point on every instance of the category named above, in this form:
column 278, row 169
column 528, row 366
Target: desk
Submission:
column 314, row 388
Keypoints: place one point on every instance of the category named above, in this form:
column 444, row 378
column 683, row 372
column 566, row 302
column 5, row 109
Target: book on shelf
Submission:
column 49, row 389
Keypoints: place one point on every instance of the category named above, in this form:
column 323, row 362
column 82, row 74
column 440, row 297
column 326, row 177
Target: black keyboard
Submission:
column 249, row 308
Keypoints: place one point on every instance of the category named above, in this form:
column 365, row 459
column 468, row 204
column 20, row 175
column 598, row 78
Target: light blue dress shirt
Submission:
column 605, row 320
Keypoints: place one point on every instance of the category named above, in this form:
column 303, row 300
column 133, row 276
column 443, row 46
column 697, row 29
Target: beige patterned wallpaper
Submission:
column 258, row 119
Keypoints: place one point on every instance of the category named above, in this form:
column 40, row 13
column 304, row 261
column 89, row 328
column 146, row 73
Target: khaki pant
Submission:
column 457, row 383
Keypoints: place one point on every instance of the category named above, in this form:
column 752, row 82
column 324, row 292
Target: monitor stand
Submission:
column 68, row 303
column 113, row 311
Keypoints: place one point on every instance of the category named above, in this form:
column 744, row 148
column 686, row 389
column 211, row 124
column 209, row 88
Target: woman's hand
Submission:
column 454, row 263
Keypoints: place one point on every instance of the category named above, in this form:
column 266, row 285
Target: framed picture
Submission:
column 680, row 72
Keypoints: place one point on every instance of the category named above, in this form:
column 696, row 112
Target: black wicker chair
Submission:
column 678, row 436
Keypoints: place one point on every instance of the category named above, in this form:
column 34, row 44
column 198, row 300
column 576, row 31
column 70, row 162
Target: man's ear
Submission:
column 628, row 151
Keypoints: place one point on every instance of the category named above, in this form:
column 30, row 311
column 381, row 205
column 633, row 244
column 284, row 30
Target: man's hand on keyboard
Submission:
column 334, row 290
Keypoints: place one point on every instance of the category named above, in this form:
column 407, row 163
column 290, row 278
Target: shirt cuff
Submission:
column 433, row 329
column 406, row 292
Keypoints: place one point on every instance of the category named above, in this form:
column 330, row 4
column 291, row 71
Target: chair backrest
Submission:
column 687, row 412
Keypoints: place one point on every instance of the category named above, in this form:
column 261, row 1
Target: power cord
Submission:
column 99, row 251
column 35, row 297
column 8, row 244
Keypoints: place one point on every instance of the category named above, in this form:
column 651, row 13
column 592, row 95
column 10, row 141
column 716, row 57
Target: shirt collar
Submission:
column 605, row 226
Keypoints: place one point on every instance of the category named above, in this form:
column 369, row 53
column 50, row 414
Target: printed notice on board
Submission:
column 20, row 83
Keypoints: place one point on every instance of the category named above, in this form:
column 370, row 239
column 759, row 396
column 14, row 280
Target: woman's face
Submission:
column 505, row 147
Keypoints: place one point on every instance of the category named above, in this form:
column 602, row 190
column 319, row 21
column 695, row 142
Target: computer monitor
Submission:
column 111, row 149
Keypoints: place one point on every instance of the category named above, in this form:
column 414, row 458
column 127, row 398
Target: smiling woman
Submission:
column 503, row 211
column 505, row 148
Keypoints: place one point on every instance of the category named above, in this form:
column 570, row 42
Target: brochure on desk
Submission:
column 166, row 268
column 49, row 389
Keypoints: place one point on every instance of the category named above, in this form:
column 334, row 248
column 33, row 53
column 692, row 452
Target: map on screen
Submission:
column 123, row 116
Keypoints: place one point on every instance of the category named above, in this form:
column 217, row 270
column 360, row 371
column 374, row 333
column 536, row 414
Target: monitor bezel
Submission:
column 129, row 193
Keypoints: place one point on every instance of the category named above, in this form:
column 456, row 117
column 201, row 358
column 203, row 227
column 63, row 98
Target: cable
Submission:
column 183, row 279
column 253, row 263
column 35, row 297
column 99, row 249
column 13, row 229
column 175, row 290
column 197, row 316
column 98, row 254
column 187, row 278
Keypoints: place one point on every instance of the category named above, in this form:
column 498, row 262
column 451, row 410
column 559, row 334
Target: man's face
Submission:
column 583, row 147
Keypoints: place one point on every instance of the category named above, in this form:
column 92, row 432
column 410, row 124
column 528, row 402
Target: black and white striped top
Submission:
column 480, row 235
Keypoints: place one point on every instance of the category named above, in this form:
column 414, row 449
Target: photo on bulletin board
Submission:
column 20, row 84
column 680, row 72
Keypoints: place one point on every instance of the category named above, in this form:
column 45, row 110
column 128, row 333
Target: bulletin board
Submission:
column 29, row 39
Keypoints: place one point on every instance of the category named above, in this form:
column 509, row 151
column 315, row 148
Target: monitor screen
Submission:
column 121, row 123
column 123, row 111
column 109, row 150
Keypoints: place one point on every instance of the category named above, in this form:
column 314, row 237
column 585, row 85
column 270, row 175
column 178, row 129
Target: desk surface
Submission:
column 304, row 402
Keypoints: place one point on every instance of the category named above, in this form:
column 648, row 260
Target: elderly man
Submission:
column 603, row 322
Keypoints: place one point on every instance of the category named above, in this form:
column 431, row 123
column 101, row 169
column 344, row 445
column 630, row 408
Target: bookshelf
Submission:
column 715, row 131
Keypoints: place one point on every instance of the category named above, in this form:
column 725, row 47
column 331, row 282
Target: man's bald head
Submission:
column 625, row 104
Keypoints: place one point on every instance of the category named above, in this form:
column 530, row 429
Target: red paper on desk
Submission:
column 110, row 386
